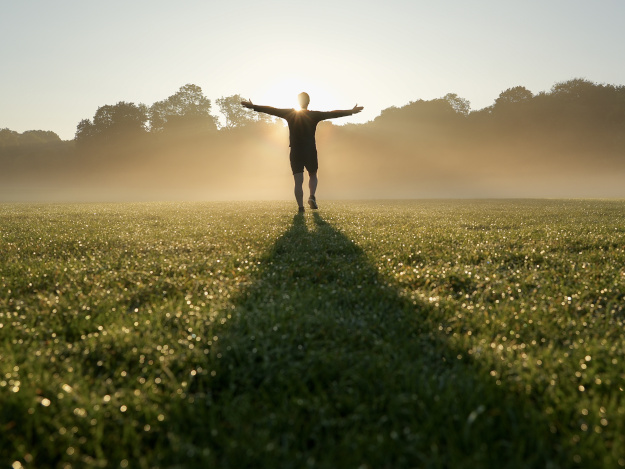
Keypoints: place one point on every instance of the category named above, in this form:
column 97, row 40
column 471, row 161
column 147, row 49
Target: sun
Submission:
column 283, row 94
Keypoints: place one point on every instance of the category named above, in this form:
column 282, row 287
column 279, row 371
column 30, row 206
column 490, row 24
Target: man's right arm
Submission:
column 266, row 109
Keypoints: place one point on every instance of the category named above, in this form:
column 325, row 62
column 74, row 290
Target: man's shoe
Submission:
column 301, row 210
column 312, row 202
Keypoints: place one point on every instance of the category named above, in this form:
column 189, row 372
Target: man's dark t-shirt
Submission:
column 302, row 127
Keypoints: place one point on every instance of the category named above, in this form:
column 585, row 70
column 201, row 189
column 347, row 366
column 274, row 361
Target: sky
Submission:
column 61, row 60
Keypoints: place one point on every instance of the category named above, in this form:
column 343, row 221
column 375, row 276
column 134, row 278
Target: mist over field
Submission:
column 567, row 142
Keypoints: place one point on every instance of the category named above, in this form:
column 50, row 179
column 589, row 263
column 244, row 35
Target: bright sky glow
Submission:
column 61, row 60
column 284, row 93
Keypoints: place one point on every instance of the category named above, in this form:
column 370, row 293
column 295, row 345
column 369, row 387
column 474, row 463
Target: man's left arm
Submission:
column 341, row 113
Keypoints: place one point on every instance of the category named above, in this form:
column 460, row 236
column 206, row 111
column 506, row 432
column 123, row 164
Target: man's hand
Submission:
column 357, row 109
column 248, row 104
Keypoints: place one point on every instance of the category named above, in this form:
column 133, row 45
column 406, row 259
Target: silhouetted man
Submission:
column 302, row 127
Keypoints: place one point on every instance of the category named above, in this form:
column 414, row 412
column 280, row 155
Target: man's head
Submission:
column 303, row 99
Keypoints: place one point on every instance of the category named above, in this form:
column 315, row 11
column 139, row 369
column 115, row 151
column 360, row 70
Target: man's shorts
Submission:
column 304, row 157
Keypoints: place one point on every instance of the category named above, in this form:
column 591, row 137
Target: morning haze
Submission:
column 568, row 141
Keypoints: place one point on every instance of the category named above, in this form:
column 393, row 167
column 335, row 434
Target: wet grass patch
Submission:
column 367, row 335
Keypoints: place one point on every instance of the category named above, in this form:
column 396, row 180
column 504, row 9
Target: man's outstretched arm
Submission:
column 266, row 109
column 341, row 113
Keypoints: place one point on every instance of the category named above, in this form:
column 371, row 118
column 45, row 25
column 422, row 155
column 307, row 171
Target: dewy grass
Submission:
column 388, row 334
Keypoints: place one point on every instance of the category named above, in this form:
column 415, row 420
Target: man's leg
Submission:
column 312, row 164
column 312, row 183
column 299, row 190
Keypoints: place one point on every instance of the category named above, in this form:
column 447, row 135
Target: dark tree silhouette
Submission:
column 187, row 110
column 113, row 122
column 574, row 89
column 237, row 116
column 37, row 137
column 10, row 138
column 514, row 95
column 425, row 113
column 460, row 105
column 85, row 131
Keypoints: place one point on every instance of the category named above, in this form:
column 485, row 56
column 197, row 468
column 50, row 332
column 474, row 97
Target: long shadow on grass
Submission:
column 324, row 364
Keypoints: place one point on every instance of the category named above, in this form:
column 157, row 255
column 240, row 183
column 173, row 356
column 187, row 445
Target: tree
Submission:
column 514, row 95
column 460, row 105
column 122, row 118
column 420, row 111
column 236, row 115
column 112, row 122
column 9, row 138
column 188, row 109
column 38, row 137
column 574, row 89
column 84, row 131
column 590, row 104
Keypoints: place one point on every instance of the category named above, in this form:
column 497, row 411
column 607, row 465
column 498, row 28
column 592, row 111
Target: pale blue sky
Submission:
column 61, row 60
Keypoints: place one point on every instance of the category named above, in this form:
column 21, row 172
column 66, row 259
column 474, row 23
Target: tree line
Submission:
column 10, row 138
column 566, row 140
column 187, row 112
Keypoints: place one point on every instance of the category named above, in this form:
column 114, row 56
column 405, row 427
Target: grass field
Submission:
column 456, row 334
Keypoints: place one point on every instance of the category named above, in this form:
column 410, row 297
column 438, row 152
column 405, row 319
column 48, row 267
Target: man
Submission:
column 302, row 127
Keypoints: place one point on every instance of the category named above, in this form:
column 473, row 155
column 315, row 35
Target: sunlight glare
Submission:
column 283, row 94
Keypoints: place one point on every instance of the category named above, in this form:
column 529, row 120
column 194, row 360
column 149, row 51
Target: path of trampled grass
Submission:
column 410, row 334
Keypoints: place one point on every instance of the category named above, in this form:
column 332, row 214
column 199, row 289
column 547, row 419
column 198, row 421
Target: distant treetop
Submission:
column 10, row 138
